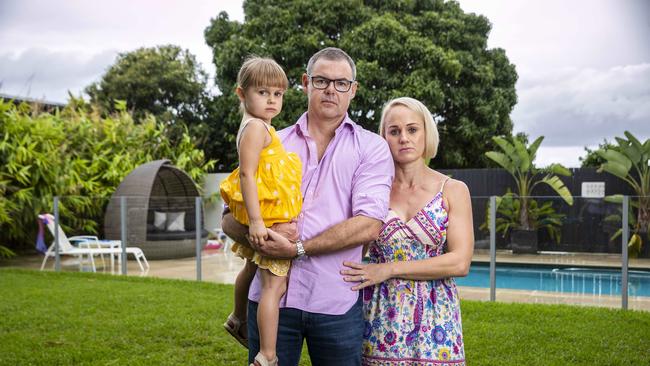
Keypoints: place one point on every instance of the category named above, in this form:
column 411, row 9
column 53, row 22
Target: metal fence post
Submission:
column 198, row 238
column 57, row 256
column 625, row 238
column 123, row 233
column 493, row 247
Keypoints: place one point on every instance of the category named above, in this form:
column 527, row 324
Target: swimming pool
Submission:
column 586, row 281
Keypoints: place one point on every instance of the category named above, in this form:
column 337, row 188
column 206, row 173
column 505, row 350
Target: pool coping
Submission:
column 564, row 259
column 640, row 303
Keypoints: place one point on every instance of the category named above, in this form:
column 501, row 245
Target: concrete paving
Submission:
column 222, row 267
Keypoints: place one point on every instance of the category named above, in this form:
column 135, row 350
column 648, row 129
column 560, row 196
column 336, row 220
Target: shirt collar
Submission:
column 301, row 125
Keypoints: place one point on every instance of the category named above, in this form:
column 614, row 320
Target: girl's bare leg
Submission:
column 268, row 311
column 242, row 283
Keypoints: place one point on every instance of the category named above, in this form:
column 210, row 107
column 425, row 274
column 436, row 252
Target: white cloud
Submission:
column 49, row 47
column 569, row 156
column 41, row 73
column 572, row 87
column 580, row 107
column 551, row 34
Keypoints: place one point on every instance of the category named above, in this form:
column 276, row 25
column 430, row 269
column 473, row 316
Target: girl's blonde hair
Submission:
column 261, row 71
column 431, row 138
column 258, row 72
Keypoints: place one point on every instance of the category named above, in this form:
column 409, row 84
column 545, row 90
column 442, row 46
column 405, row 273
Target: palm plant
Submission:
column 543, row 216
column 518, row 209
column 629, row 160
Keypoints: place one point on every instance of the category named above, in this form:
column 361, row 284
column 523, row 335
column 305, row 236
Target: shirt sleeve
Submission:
column 373, row 179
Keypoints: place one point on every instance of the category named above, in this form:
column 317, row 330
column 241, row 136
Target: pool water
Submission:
column 586, row 281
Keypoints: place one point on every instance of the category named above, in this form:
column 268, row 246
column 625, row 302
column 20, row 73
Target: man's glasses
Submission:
column 341, row 85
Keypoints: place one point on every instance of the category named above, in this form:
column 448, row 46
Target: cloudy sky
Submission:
column 583, row 65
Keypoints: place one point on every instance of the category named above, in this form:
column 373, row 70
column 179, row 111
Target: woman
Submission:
column 411, row 304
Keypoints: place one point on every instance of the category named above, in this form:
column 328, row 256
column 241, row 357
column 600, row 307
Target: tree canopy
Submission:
column 429, row 50
column 591, row 158
column 164, row 81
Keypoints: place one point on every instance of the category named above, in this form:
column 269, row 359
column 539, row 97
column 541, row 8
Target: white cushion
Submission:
column 175, row 221
column 159, row 220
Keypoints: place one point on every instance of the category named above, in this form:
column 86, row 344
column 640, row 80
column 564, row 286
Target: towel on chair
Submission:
column 40, row 238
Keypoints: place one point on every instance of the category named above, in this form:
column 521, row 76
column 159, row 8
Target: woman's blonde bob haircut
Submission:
column 431, row 138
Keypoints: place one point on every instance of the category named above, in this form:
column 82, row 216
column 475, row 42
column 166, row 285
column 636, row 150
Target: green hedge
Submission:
column 77, row 154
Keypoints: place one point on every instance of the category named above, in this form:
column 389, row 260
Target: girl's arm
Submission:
column 454, row 263
column 254, row 138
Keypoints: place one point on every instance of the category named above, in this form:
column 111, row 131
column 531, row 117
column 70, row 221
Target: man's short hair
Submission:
column 332, row 54
column 431, row 138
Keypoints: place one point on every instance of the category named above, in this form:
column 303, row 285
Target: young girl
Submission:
column 264, row 190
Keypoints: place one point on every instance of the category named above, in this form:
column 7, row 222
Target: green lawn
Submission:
column 80, row 318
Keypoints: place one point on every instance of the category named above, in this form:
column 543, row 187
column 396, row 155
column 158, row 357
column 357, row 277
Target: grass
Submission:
column 68, row 318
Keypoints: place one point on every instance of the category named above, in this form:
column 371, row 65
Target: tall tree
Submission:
column 165, row 81
column 430, row 50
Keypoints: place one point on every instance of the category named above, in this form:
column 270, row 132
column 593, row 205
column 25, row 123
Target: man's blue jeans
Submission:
column 331, row 339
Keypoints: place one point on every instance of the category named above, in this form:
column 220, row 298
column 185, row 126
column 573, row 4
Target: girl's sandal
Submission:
column 260, row 360
column 233, row 326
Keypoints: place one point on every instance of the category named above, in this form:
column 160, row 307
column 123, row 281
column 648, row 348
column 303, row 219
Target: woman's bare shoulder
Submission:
column 448, row 181
column 456, row 194
column 454, row 190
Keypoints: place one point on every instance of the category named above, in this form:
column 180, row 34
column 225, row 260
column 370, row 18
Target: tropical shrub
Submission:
column 77, row 154
column 541, row 215
column 518, row 210
column 629, row 160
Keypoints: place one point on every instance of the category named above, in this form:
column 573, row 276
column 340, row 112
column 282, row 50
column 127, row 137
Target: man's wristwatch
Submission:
column 300, row 249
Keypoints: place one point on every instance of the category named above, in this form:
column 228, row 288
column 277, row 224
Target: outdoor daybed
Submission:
column 161, row 211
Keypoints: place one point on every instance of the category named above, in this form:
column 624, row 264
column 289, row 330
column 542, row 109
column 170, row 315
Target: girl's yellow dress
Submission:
column 279, row 175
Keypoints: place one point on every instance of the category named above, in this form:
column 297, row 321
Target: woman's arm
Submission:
column 254, row 138
column 454, row 263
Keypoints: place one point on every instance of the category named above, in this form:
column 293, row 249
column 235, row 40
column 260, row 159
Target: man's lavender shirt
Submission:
column 353, row 178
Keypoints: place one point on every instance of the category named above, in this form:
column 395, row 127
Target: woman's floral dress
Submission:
column 413, row 322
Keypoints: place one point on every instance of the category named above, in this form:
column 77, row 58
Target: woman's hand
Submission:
column 366, row 274
column 257, row 232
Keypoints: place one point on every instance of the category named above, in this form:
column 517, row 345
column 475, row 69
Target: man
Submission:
column 347, row 176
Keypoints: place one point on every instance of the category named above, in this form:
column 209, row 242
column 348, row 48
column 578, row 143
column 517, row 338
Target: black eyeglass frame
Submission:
column 329, row 81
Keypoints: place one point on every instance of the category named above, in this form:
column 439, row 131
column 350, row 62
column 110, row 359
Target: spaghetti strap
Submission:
column 266, row 125
column 243, row 125
column 443, row 184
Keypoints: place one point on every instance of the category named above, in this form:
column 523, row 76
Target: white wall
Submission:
column 213, row 209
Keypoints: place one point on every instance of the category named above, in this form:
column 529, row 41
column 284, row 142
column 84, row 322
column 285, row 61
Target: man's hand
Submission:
column 276, row 246
column 235, row 230
column 287, row 229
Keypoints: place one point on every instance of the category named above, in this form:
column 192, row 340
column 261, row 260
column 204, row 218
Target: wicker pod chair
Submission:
column 155, row 191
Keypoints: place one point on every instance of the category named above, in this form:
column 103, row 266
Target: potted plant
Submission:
column 521, row 215
column 629, row 160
